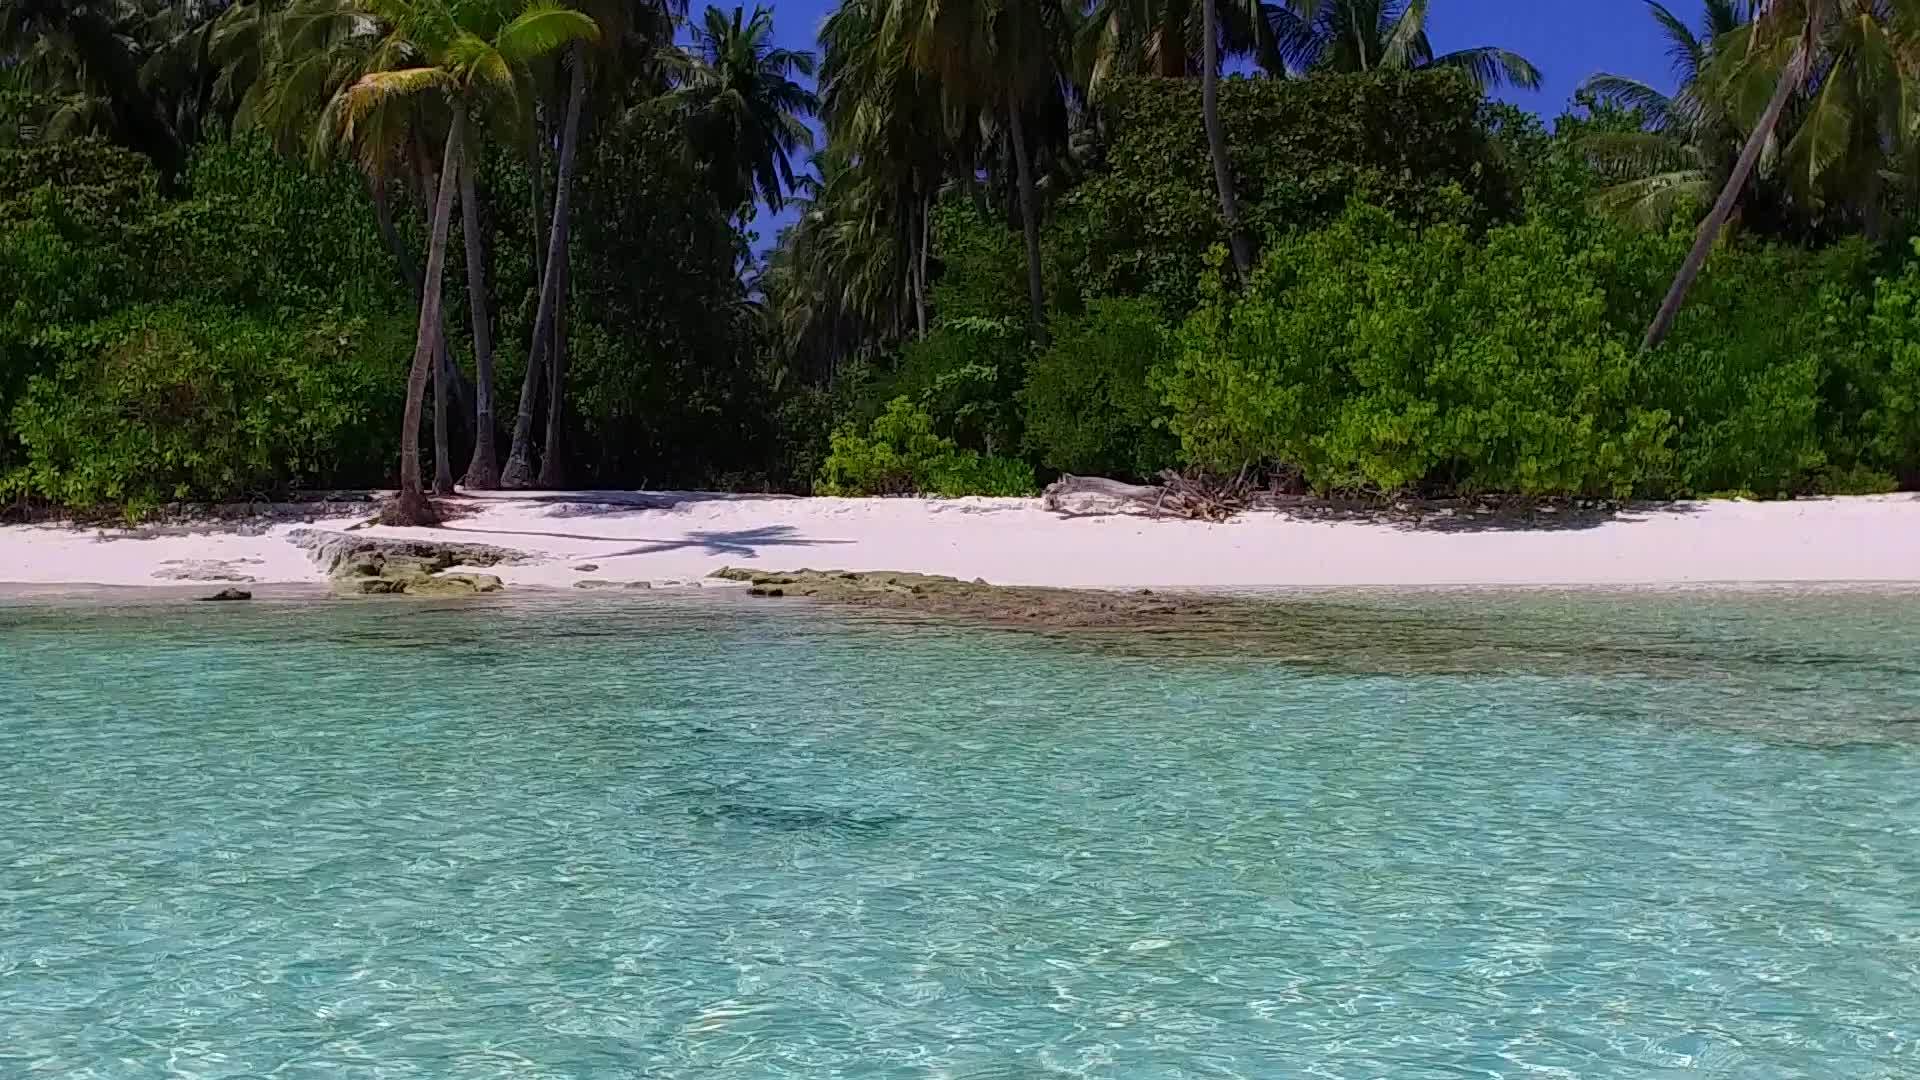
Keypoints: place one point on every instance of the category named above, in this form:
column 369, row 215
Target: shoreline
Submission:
column 677, row 540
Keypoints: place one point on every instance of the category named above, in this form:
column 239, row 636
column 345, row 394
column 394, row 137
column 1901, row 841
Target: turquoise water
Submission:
column 1446, row 836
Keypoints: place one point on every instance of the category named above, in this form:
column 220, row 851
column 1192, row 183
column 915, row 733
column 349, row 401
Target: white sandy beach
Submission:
column 664, row 538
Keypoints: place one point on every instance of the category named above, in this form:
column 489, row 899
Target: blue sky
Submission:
column 1566, row 39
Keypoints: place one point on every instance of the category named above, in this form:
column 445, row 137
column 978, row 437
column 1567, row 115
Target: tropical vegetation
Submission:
column 255, row 246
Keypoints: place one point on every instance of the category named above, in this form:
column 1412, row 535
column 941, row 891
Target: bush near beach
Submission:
column 249, row 270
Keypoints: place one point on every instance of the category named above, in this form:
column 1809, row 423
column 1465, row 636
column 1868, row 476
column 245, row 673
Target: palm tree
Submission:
column 746, row 116
column 1217, row 140
column 1687, row 142
column 626, row 60
column 894, row 136
column 1008, row 57
column 1175, row 39
column 1369, row 35
column 847, row 270
column 1784, row 35
column 1856, row 116
column 90, row 55
column 1165, row 37
column 453, row 65
column 286, row 68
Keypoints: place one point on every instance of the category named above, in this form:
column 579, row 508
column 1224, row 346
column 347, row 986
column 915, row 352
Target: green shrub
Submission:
column 1373, row 356
column 901, row 454
column 968, row 473
column 1872, row 393
column 1090, row 399
column 99, row 183
column 189, row 401
column 1748, row 371
column 983, row 265
column 966, row 375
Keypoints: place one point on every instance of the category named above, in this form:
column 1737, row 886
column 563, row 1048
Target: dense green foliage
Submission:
column 899, row 454
column 1374, row 356
column 212, row 259
column 260, row 302
column 155, row 404
column 1408, row 142
column 1093, row 397
column 230, row 341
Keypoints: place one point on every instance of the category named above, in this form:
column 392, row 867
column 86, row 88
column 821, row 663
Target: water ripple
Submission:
column 1530, row 836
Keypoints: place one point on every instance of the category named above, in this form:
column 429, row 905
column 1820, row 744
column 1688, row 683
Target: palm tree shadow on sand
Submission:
column 743, row 543
column 737, row 543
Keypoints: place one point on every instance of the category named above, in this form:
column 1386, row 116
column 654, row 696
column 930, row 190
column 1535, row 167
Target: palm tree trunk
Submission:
column 442, row 363
column 442, row 452
column 1217, row 139
column 553, row 473
column 483, row 471
column 1030, row 222
column 412, row 507
column 1170, row 44
column 916, row 264
column 1709, row 233
column 538, row 176
column 926, row 244
column 410, row 273
column 519, row 470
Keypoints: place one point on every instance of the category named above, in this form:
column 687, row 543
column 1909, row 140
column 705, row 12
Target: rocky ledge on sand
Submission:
column 377, row 565
column 976, row 600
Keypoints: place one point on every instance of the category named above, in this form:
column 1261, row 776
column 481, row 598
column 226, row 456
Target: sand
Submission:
column 666, row 538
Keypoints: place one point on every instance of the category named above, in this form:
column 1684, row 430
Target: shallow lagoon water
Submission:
column 1588, row 835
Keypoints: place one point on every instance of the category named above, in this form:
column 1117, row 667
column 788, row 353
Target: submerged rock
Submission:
column 454, row 585
column 601, row 583
column 228, row 594
column 976, row 600
column 385, row 566
column 203, row 570
column 334, row 550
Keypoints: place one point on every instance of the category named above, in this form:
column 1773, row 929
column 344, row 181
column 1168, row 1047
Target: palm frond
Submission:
column 1687, row 51
column 1824, row 137
column 1651, row 201
column 543, row 27
column 1406, row 42
column 1624, row 153
column 1491, row 67
column 380, row 88
column 1296, row 40
column 1654, row 107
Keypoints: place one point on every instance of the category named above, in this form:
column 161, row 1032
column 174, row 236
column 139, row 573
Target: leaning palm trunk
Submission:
column 442, row 450
column 519, row 469
column 412, row 507
column 1709, row 234
column 443, row 360
column 483, row 471
column 553, row 473
column 1030, row 222
column 1217, row 140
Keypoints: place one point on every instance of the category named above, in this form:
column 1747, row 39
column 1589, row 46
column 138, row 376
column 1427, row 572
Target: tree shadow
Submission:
column 564, row 504
column 1429, row 515
column 742, row 543
column 1476, row 516
column 739, row 543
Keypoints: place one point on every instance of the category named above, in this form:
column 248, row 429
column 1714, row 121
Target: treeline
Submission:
column 264, row 244
column 414, row 242
column 1354, row 274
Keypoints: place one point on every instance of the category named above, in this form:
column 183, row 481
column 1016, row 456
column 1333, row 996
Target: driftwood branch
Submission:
column 1197, row 496
column 1202, row 497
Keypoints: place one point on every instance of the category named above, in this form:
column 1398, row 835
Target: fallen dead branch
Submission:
column 1204, row 497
